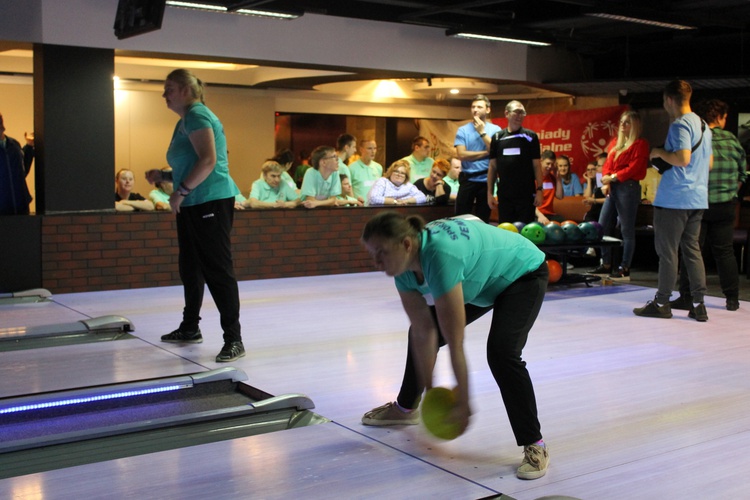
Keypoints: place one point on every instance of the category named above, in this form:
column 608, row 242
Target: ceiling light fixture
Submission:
column 496, row 38
column 638, row 20
column 269, row 14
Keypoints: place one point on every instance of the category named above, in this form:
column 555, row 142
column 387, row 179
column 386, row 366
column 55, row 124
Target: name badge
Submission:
column 511, row 152
column 548, row 185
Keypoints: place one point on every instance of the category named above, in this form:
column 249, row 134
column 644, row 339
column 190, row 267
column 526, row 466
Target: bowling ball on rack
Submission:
column 508, row 227
column 554, row 234
column 555, row 270
column 590, row 232
column 534, row 232
column 599, row 228
column 519, row 225
column 573, row 233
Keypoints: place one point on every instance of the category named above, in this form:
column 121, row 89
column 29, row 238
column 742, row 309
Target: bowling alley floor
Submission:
column 630, row 407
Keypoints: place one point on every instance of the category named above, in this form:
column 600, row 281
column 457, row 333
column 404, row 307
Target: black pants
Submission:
column 516, row 210
column 717, row 227
column 472, row 199
column 203, row 233
column 515, row 311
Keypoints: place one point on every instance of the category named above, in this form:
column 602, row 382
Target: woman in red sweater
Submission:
column 627, row 162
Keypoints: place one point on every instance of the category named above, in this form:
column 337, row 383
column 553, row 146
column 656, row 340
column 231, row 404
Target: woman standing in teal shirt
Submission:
column 203, row 203
column 449, row 273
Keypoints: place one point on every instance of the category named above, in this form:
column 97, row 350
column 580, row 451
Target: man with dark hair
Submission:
column 419, row 159
column 717, row 225
column 516, row 168
column 346, row 146
column 15, row 164
column 472, row 148
column 679, row 203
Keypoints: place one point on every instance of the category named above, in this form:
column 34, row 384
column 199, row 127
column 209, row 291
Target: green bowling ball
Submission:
column 534, row 232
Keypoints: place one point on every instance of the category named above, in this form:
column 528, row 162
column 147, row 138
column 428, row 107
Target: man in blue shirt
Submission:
column 679, row 203
column 472, row 148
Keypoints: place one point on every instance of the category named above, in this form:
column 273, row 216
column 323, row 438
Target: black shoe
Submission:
column 183, row 337
column 621, row 274
column 732, row 304
column 653, row 310
column 601, row 271
column 683, row 303
column 698, row 312
column 230, row 352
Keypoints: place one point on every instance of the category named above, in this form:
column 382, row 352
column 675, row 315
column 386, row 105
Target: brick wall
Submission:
column 108, row 251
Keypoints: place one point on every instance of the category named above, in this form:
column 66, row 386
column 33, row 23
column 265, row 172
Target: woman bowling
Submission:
column 448, row 273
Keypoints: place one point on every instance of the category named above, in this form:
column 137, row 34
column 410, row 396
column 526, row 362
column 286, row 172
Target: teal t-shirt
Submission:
column 181, row 156
column 419, row 169
column 262, row 191
column 483, row 258
column 453, row 183
column 158, row 196
column 314, row 186
column 364, row 176
column 344, row 170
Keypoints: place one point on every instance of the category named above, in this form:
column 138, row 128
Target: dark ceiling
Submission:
column 715, row 47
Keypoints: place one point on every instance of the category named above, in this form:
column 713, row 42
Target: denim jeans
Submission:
column 622, row 203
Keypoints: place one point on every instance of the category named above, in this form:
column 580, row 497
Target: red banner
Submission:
column 579, row 135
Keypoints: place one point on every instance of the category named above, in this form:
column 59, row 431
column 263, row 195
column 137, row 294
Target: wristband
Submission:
column 482, row 134
column 183, row 189
column 540, row 188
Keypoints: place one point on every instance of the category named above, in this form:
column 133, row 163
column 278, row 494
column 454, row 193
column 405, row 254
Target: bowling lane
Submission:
column 63, row 367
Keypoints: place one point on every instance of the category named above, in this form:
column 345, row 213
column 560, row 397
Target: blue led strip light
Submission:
column 89, row 399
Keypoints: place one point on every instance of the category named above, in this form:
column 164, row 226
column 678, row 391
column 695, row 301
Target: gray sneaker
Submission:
column 390, row 414
column 535, row 462
column 183, row 337
column 653, row 310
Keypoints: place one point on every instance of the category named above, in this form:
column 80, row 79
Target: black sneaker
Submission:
column 601, row 271
column 698, row 312
column 732, row 304
column 683, row 303
column 183, row 337
column 230, row 352
column 621, row 274
column 653, row 310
